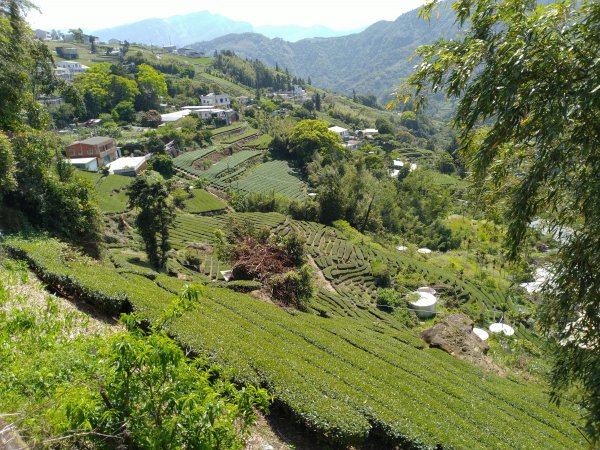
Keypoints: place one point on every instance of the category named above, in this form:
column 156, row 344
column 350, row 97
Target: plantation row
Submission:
column 341, row 377
column 189, row 228
column 185, row 160
column 348, row 267
column 217, row 174
column 235, row 127
column 273, row 176
column 203, row 201
column 260, row 143
column 232, row 139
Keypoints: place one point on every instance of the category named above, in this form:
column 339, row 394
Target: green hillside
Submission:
column 347, row 378
column 370, row 62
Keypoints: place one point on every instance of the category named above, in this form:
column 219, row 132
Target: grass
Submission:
column 203, row 201
column 110, row 190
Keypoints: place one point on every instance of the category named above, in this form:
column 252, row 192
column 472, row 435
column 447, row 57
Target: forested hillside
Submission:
column 370, row 62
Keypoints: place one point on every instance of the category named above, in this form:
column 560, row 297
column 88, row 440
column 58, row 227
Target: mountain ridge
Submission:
column 183, row 29
column 372, row 61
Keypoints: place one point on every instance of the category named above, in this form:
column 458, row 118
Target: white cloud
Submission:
column 336, row 14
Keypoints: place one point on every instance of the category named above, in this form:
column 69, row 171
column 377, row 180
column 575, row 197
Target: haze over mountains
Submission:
column 370, row 62
column 204, row 26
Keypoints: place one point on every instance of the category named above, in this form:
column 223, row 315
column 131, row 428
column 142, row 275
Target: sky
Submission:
column 336, row 14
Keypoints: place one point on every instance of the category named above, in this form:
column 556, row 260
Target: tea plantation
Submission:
column 273, row 176
column 348, row 378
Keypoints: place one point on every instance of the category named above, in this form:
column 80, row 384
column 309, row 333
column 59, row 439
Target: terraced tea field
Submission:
column 189, row 228
column 203, row 201
column 348, row 267
column 273, row 176
column 345, row 378
column 185, row 161
column 220, row 174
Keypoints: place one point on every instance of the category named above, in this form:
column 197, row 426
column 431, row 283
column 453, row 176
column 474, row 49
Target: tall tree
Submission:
column 24, row 67
column 531, row 73
column 312, row 136
column 156, row 215
column 77, row 34
column 152, row 86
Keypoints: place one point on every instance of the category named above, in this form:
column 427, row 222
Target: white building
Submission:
column 129, row 165
column 42, row 35
column 208, row 112
column 342, row 132
column 67, row 70
column 175, row 116
column 216, row 100
column 89, row 164
column 204, row 112
column 367, row 132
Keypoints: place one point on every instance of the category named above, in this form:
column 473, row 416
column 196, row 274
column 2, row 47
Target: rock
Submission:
column 454, row 334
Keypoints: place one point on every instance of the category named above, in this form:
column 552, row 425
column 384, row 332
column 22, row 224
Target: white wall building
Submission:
column 68, row 69
column 343, row 132
column 216, row 100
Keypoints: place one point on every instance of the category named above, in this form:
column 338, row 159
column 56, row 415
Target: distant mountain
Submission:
column 204, row 26
column 176, row 30
column 370, row 62
column 294, row 33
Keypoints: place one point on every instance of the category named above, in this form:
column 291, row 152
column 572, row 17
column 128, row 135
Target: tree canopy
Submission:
column 310, row 137
column 530, row 73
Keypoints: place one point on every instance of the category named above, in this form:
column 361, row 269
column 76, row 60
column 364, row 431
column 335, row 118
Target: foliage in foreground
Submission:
column 346, row 379
column 66, row 382
column 531, row 72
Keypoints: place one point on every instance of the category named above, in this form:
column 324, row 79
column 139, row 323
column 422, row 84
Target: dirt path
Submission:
column 320, row 277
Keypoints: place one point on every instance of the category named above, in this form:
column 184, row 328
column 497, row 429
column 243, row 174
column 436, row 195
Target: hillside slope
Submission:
column 372, row 61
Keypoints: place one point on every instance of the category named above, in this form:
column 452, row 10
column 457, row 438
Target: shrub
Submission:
column 381, row 273
column 388, row 297
column 294, row 288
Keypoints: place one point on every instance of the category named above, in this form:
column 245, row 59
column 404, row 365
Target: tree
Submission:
column 77, row 34
column 531, row 74
column 122, row 89
column 152, row 85
column 124, row 112
column 384, row 126
column 7, row 168
column 163, row 164
column 151, row 118
column 312, row 136
column 317, row 100
column 24, row 65
column 154, row 144
column 124, row 50
column 156, row 215
column 94, row 84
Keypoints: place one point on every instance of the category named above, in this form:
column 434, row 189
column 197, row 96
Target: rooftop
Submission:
column 175, row 116
column 96, row 140
column 127, row 162
column 81, row 160
column 337, row 129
